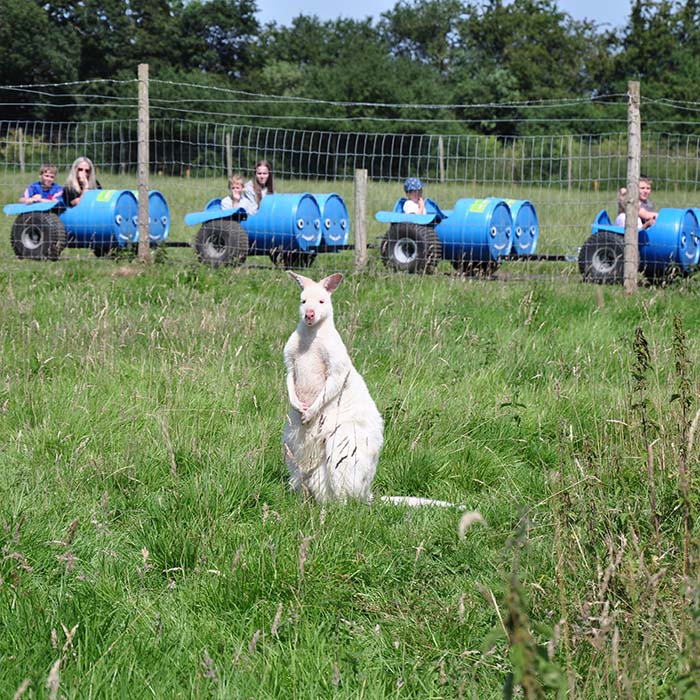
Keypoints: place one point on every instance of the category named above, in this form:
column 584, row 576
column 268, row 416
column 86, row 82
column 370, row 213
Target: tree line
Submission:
column 479, row 64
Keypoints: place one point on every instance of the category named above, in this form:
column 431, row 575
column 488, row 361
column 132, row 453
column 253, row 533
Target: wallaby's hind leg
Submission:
column 305, row 460
column 351, row 464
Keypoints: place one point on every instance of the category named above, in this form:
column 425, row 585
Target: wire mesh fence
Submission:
column 568, row 178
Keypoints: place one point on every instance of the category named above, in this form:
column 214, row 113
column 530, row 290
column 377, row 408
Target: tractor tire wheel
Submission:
column 601, row 259
column 476, row 268
column 102, row 250
column 221, row 242
column 662, row 277
column 38, row 235
column 411, row 248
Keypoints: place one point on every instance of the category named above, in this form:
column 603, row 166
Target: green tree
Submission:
column 350, row 63
column 661, row 49
column 220, row 36
column 33, row 52
column 423, row 30
column 103, row 33
column 526, row 50
column 155, row 33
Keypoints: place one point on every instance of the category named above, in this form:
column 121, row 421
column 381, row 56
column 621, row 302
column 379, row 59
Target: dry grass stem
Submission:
column 254, row 642
column 20, row 690
column 53, row 680
column 467, row 520
column 237, row 559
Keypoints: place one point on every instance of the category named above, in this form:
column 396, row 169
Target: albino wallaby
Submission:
column 334, row 432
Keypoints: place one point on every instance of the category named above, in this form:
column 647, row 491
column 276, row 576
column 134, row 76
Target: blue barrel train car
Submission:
column 474, row 236
column 290, row 228
column 103, row 220
column 671, row 246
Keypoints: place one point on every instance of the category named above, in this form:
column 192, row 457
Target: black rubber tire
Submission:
column 221, row 242
column 38, row 235
column 601, row 259
column 289, row 259
column 411, row 248
column 665, row 276
column 102, row 250
column 476, row 268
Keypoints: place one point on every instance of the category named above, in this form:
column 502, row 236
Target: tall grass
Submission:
column 150, row 546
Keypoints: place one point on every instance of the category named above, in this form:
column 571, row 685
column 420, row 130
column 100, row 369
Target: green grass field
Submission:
column 150, row 547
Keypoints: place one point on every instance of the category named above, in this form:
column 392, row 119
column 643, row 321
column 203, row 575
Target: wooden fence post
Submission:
column 20, row 148
column 441, row 159
column 229, row 155
column 634, row 148
column 143, row 166
column 360, row 220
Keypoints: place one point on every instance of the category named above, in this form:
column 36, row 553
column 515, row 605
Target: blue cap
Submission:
column 411, row 184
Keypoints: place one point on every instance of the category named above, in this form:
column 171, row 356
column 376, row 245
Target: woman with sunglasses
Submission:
column 80, row 179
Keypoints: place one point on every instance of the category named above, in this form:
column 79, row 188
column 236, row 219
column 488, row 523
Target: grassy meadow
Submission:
column 150, row 546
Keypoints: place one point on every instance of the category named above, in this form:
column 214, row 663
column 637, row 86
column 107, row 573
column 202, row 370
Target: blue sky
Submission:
column 605, row 12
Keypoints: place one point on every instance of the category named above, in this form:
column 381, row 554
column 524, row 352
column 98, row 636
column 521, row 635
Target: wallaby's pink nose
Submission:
column 309, row 315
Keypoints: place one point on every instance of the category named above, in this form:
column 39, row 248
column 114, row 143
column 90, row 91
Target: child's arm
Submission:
column 27, row 198
column 648, row 217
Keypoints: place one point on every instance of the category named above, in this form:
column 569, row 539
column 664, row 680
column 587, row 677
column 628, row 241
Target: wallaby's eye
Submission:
column 303, row 301
column 321, row 301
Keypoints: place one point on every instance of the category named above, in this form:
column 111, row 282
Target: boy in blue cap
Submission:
column 414, row 203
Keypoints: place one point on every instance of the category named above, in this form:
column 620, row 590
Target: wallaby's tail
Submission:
column 415, row 501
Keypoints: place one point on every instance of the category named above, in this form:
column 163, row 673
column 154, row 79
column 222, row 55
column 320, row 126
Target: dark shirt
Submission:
column 69, row 194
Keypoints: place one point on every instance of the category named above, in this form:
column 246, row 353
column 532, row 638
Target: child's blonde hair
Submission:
column 235, row 179
column 48, row 167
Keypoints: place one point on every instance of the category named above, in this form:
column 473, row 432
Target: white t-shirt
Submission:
column 411, row 207
column 248, row 199
column 620, row 220
column 227, row 203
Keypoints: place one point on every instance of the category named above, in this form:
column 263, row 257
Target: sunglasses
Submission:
column 83, row 170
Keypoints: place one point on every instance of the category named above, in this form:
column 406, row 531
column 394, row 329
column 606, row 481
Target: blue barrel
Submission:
column 476, row 230
column 101, row 218
column 335, row 222
column 526, row 228
column 158, row 217
column 284, row 222
column 672, row 240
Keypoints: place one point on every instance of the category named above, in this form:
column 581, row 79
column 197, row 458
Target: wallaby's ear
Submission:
column 332, row 281
column 300, row 279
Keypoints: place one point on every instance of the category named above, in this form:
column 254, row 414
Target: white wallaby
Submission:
column 334, row 432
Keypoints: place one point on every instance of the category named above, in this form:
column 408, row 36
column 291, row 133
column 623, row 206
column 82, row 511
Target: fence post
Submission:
column 570, row 163
column 441, row 159
column 634, row 148
column 229, row 155
column 360, row 219
column 143, row 165
column 20, row 148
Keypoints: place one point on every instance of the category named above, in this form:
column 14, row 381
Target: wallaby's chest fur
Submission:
column 309, row 357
